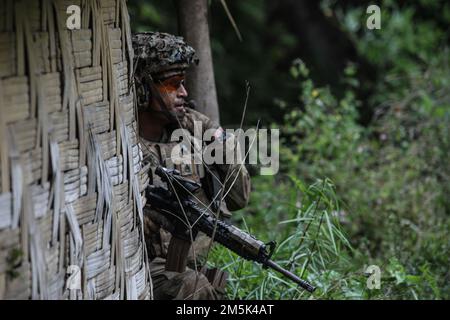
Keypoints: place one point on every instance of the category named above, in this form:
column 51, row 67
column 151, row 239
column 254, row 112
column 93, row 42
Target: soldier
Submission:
column 160, row 64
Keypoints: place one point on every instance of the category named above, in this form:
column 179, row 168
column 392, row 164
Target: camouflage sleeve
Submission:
column 237, row 183
column 153, row 160
column 192, row 116
column 237, row 186
column 235, row 177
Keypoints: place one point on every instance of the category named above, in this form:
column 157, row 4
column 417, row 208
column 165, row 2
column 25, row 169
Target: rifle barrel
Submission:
column 302, row 283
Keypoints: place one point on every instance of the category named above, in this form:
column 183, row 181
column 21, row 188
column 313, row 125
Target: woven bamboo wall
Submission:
column 71, row 179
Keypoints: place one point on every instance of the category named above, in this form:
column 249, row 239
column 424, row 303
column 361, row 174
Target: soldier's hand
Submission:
column 160, row 220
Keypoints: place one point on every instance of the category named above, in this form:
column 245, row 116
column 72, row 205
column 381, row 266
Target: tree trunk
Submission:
column 193, row 26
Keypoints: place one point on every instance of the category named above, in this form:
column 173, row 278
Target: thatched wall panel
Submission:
column 70, row 159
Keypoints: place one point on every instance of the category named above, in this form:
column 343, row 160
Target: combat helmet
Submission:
column 158, row 56
column 161, row 55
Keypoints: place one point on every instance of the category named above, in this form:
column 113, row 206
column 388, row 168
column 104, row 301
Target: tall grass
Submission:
column 310, row 241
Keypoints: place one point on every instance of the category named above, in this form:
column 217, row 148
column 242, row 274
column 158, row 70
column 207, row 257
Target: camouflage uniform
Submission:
column 186, row 284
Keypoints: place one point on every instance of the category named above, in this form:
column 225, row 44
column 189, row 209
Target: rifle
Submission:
column 191, row 216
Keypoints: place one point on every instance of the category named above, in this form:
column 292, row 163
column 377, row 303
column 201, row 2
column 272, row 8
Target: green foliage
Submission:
column 392, row 176
column 305, row 225
column 156, row 15
column 323, row 132
column 392, row 179
column 412, row 38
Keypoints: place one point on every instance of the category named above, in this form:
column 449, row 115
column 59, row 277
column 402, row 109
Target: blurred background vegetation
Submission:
column 364, row 118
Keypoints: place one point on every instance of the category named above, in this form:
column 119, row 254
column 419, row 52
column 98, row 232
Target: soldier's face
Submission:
column 173, row 94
